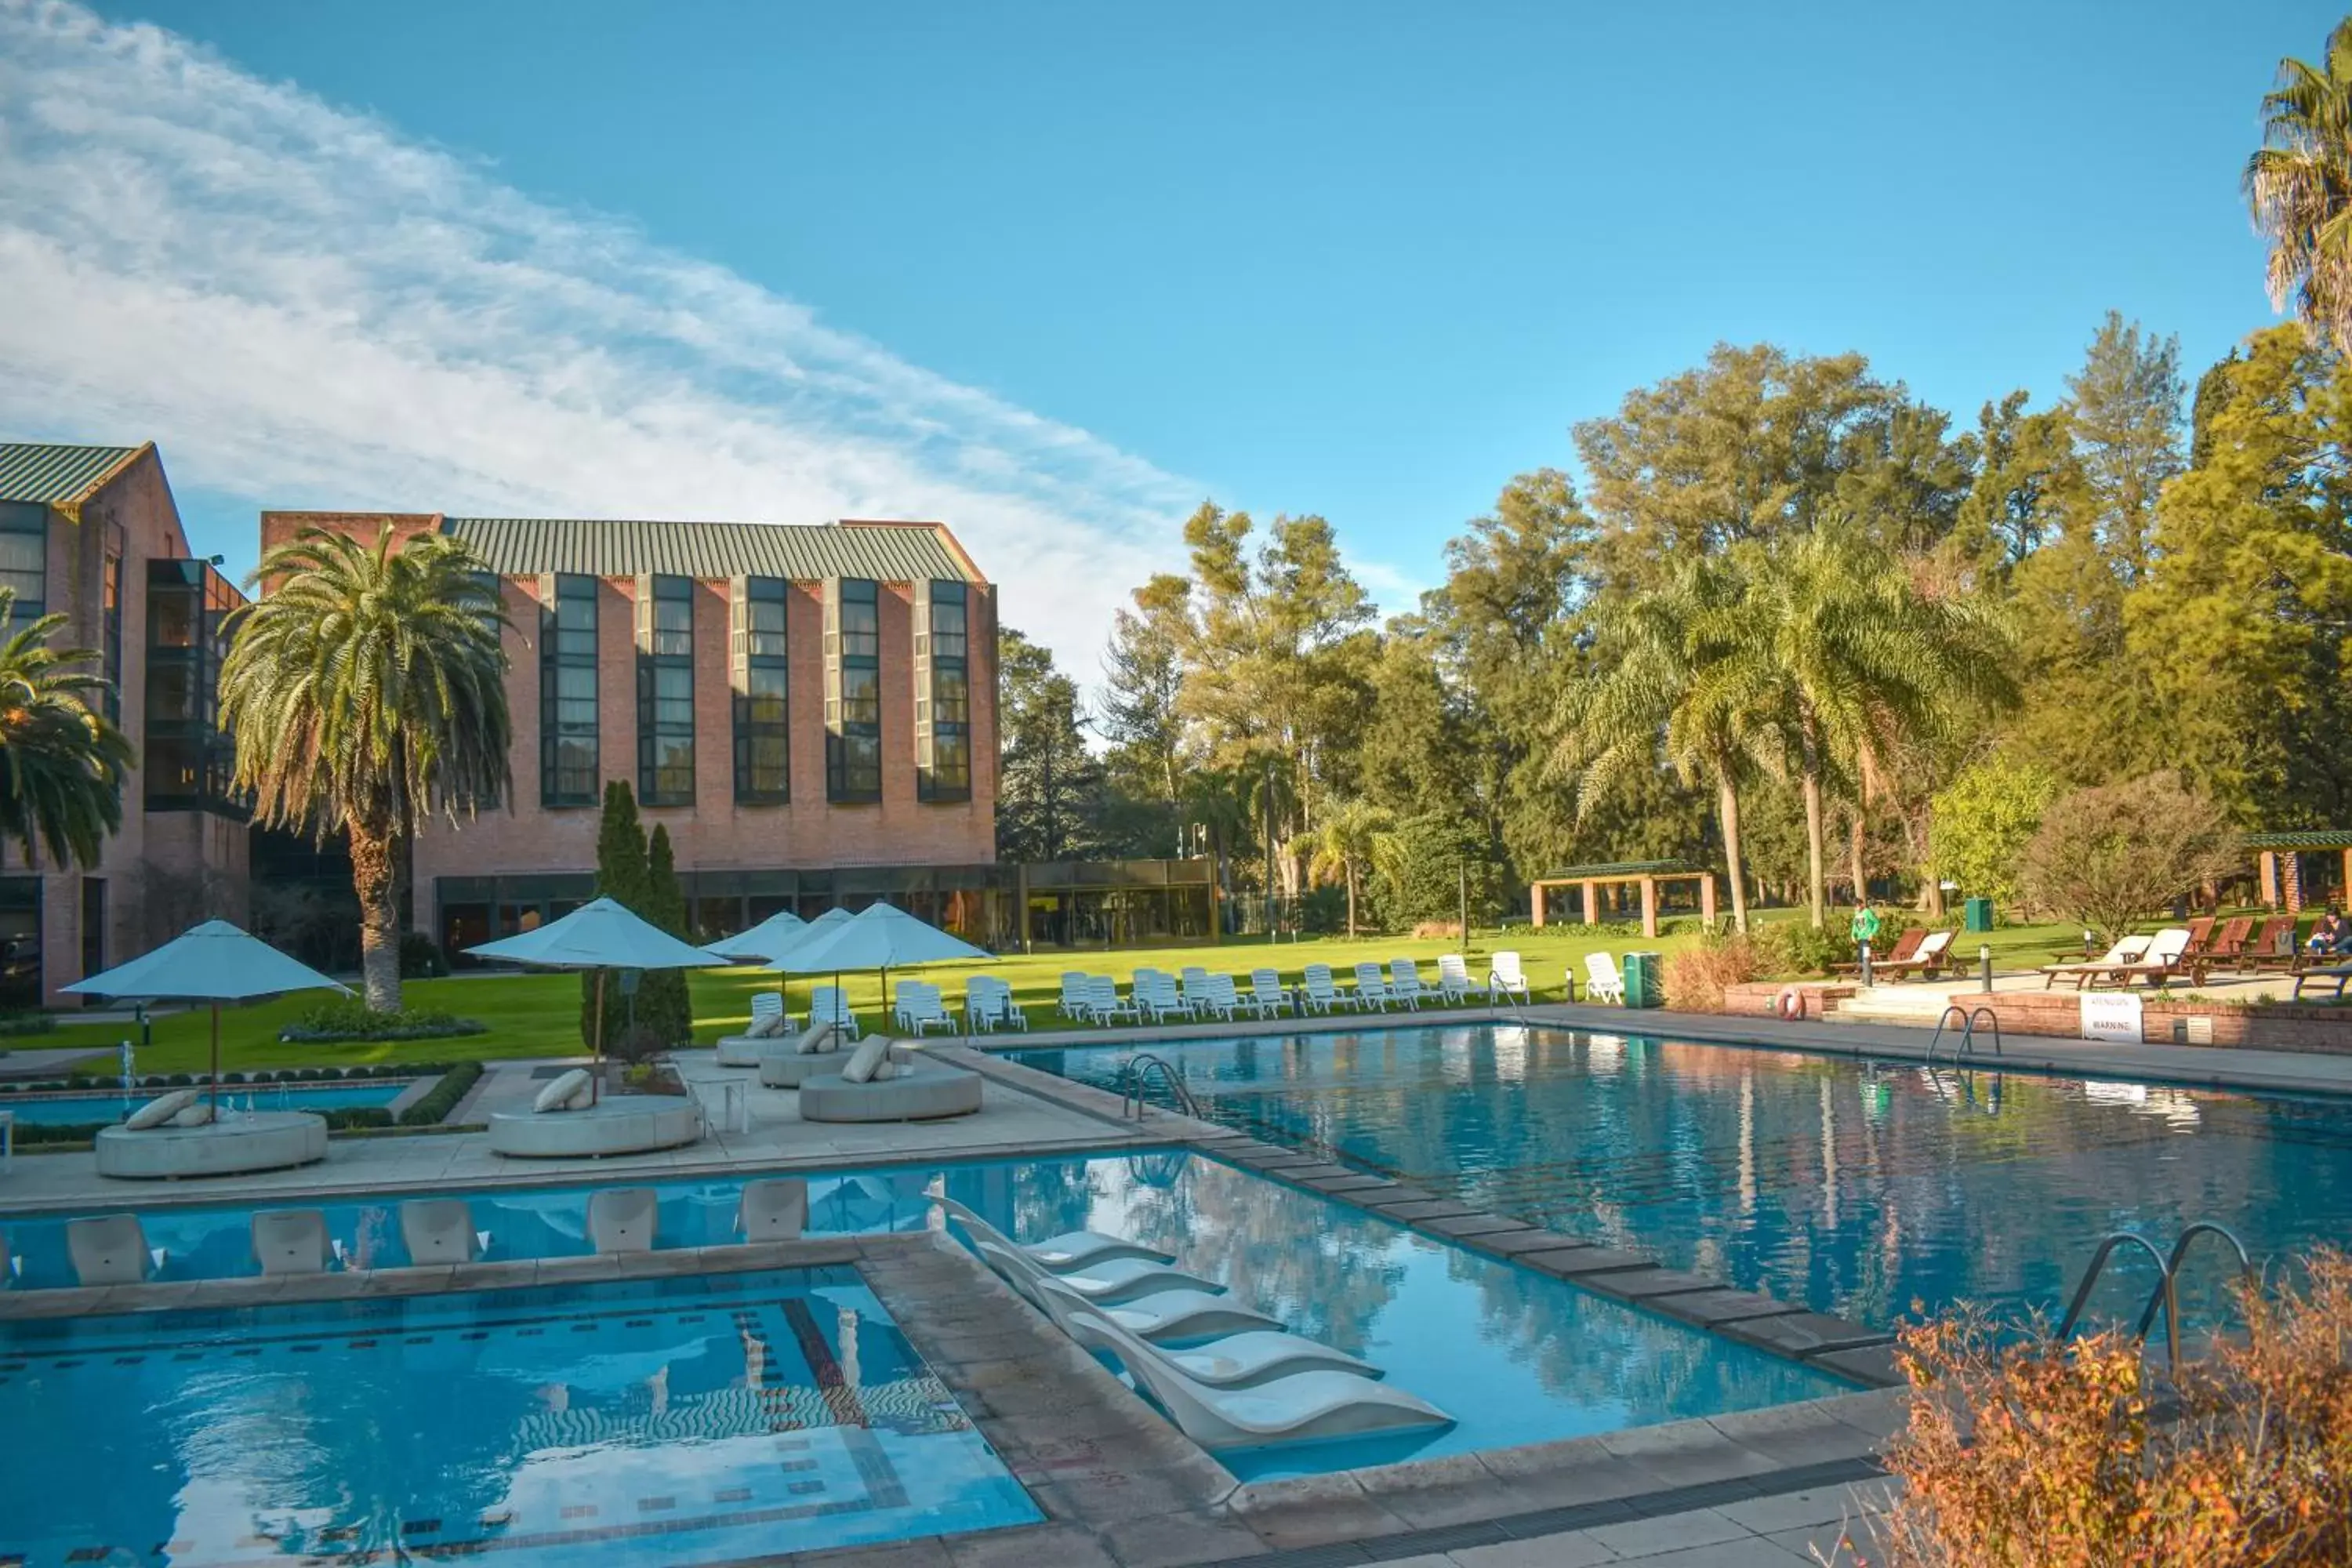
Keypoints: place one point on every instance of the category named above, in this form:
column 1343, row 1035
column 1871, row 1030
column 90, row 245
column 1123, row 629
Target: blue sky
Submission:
column 1363, row 259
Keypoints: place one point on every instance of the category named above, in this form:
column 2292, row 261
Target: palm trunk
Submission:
column 1727, row 806
column 374, row 878
column 1351, row 900
column 1816, row 876
column 1853, row 848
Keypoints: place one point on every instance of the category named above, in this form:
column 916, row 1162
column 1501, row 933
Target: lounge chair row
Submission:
column 919, row 1007
column 112, row 1250
column 1155, row 996
column 1250, row 1383
column 2204, row 946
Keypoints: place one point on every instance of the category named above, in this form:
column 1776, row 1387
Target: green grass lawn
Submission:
column 539, row 1014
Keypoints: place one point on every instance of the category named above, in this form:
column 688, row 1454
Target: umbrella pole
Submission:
column 215, row 1101
column 596, row 1073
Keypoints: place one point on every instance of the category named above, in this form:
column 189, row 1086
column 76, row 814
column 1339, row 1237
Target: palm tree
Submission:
column 61, row 761
column 368, row 688
column 2300, row 186
column 1856, row 660
column 1351, row 837
column 1674, row 678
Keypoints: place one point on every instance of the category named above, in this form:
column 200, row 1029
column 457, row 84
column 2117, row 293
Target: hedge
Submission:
column 443, row 1097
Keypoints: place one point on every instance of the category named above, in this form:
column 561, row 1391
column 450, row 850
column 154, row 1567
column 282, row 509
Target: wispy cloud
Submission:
column 305, row 307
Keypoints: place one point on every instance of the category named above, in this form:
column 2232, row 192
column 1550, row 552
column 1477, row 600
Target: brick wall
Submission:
column 2286, row 1027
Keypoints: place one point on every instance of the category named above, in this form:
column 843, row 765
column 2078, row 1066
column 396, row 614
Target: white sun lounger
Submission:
column 1242, row 1360
column 1103, row 1005
column 1302, row 1406
column 1371, row 986
column 1505, row 978
column 1056, row 1254
column 1603, row 982
column 1267, row 994
column 440, row 1230
column 772, row 1210
column 291, row 1241
column 1074, row 1003
column 622, row 1219
column 1404, row 982
column 1169, row 1316
column 988, row 1005
column 110, row 1249
column 830, row 1005
column 921, row 1008
column 1321, row 995
column 1453, row 978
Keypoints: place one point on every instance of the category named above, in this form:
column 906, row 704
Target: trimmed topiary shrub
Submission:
column 443, row 1097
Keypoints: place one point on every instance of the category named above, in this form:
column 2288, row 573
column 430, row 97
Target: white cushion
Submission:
column 567, row 1091
column 160, row 1109
column 766, row 1026
column 818, row 1037
column 197, row 1115
column 871, row 1062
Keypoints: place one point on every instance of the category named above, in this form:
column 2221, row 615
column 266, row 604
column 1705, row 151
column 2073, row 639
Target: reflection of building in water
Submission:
column 1604, row 1055
column 1511, row 1053
column 1456, row 1056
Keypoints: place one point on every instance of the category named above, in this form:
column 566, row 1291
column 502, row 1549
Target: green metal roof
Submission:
column 1618, row 869
column 54, row 475
column 2313, row 838
column 887, row 553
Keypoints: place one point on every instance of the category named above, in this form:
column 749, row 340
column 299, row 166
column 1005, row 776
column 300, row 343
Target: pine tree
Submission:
column 664, row 1004
column 620, row 876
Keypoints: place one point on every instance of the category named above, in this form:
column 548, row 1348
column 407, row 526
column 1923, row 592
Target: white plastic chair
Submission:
column 1155, row 994
column 1319, row 994
column 1218, row 996
column 1190, row 982
column 1404, row 982
column 1603, row 980
column 1453, row 979
column 1267, row 994
column 1371, row 986
column 1103, row 1005
column 920, row 1009
column 1505, row 978
column 830, row 1005
column 988, row 1006
column 1074, row 1003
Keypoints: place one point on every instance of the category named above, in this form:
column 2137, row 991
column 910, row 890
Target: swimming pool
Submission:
column 1517, row 1356
column 646, row 1423
column 1853, row 1188
column 85, row 1109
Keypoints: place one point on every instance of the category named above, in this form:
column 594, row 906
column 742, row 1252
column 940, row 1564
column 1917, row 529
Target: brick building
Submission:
column 92, row 532
column 811, row 710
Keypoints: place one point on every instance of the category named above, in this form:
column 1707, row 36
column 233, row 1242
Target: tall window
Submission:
column 666, row 690
column 853, row 690
column 187, row 761
column 110, row 589
column 24, row 558
column 763, row 705
column 567, row 693
column 942, row 693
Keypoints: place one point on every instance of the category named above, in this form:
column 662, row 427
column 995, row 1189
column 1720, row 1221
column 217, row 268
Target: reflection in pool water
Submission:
column 1853, row 1188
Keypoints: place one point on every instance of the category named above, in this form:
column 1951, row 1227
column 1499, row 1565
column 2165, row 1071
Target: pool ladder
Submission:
column 2167, row 1294
column 1966, row 1046
column 1134, row 1077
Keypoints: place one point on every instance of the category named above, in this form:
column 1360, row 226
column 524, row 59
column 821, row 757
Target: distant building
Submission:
column 92, row 532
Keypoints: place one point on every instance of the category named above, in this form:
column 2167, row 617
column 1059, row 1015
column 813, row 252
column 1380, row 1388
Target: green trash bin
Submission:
column 1977, row 915
column 1644, row 977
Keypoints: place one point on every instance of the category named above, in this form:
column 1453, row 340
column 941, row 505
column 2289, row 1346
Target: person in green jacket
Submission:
column 1864, row 930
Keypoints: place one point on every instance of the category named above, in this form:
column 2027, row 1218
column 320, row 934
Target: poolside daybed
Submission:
column 880, row 1084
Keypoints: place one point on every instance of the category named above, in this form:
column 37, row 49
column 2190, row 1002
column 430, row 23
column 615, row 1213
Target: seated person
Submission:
column 2331, row 936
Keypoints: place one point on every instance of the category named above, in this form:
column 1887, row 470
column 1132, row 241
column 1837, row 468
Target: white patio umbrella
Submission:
column 600, row 935
column 213, row 963
column 881, row 936
column 762, row 942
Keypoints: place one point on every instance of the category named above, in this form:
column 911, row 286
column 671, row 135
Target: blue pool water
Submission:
column 83, row 1110
column 650, row 1423
column 1855, row 1187
column 1517, row 1356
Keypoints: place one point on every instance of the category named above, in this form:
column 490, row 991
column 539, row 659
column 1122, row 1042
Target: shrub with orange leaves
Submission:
column 2025, row 1455
column 1697, row 977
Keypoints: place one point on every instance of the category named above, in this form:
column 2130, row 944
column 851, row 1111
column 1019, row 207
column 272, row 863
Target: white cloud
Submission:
column 304, row 306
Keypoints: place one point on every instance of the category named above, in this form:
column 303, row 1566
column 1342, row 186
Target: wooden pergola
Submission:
column 1646, row 875
column 2280, row 857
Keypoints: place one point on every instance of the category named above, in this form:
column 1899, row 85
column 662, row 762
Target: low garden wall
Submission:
column 2164, row 1021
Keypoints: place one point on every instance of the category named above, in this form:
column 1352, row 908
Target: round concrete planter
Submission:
column 265, row 1141
column 622, row 1124
column 926, row 1093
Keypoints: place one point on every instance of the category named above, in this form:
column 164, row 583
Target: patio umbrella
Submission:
column 599, row 935
column 213, row 963
column 762, row 941
column 881, row 936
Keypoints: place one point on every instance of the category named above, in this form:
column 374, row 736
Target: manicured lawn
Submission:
column 539, row 1014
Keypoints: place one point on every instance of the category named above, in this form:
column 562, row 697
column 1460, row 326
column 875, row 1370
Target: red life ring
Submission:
column 1792, row 1003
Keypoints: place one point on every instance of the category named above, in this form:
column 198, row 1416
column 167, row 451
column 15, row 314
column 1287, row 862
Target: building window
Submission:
column 111, row 629
column 942, row 693
column 666, row 690
column 93, row 926
column 25, row 560
column 187, row 761
column 853, row 690
column 20, row 943
column 567, row 694
column 762, row 702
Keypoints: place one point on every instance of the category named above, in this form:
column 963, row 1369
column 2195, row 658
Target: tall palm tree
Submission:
column 1351, row 835
column 1672, row 677
column 2300, row 186
column 1856, row 659
column 62, row 762
column 367, row 688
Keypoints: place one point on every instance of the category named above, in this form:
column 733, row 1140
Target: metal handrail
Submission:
column 2165, row 1293
column 1967, row 1036
column 1134, row 1076
column 2159, row 1296
column 1966, row 1046
column 1946, row 1017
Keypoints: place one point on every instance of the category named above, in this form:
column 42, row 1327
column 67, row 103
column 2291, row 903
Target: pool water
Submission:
column 1856, row 1188
column 654, row 1422
column 84, row 1110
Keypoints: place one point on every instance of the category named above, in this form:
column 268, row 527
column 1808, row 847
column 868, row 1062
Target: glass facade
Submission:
column 187, row 763
column 25, row 560
column 942, row 692
column 853, row 690
column 20, row 943
column 567, row 693
column 666, row 690
column 761, row 654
